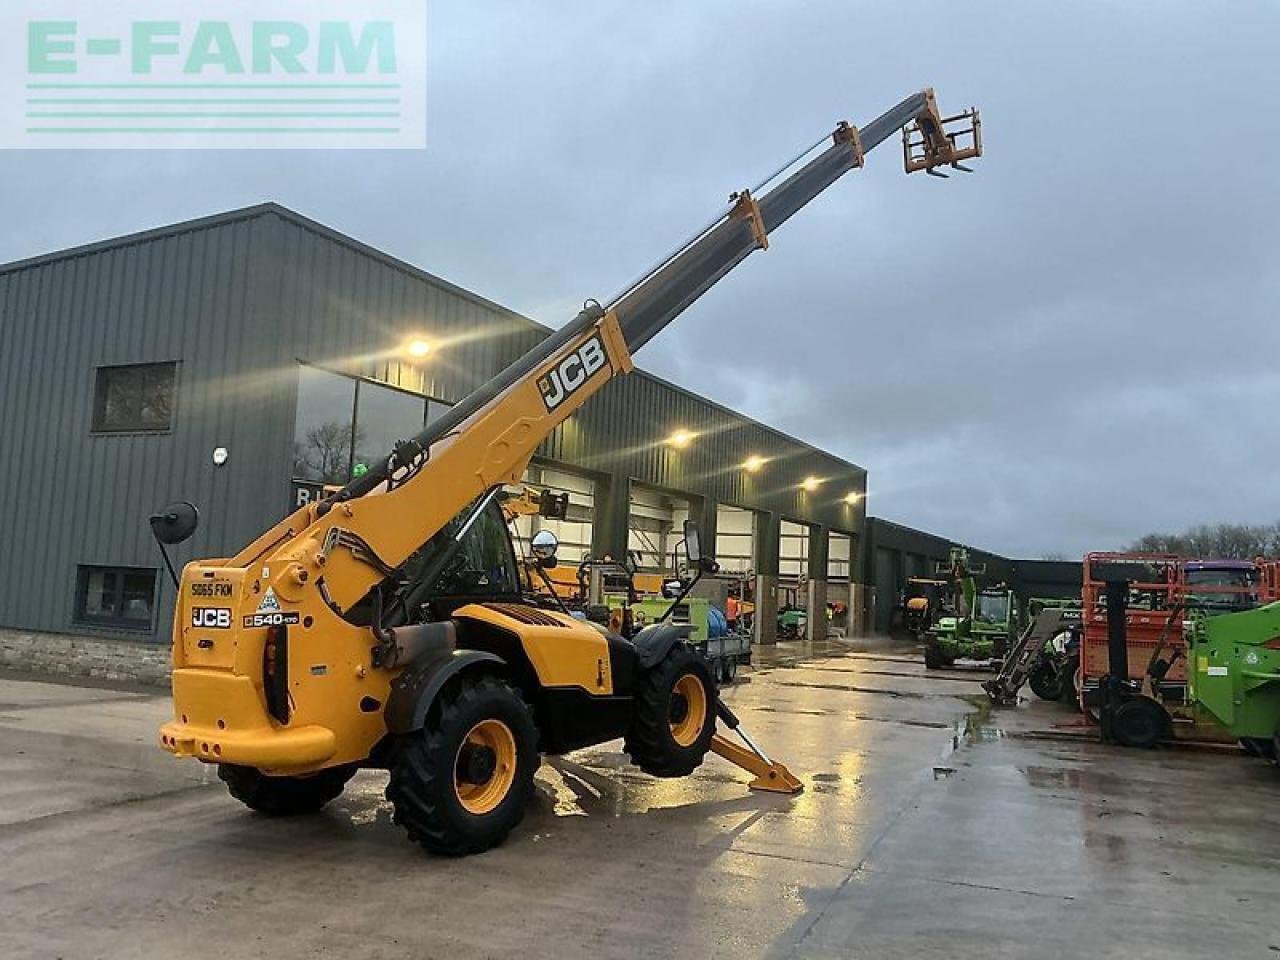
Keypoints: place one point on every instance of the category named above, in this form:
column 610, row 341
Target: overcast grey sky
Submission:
column 1070, row 348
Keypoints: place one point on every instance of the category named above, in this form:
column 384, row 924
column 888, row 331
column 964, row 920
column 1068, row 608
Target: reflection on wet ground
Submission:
column 931, row 825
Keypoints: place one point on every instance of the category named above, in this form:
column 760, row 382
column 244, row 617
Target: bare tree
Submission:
column 1227, row 541
column 325, row 454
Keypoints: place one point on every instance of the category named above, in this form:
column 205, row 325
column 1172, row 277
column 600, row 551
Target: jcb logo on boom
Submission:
column 211, row 618
column 562, row 381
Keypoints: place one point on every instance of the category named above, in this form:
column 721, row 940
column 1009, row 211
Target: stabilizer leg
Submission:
column 769, row 774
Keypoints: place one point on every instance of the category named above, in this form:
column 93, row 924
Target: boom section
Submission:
column 352, row 541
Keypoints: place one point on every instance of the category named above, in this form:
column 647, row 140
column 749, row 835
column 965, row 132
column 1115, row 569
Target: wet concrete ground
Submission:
column 930, row 828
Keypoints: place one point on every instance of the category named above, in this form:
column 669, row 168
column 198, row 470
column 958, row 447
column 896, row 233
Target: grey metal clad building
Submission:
column 128, row 367
column 893, row 553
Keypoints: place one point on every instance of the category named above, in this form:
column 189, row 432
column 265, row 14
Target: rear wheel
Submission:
column 1046, row 681
column 284, row 796
column 674, row 715
column 460, row 784
column 728, row 670
column 934, row 658
column 1259, row 747
column 1140, row 723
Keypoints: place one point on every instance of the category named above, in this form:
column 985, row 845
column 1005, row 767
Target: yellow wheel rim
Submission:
column 485, row 767
column 688, row 709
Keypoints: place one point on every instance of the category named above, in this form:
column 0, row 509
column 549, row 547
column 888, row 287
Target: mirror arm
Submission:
column 173, row 574
column 552, row 590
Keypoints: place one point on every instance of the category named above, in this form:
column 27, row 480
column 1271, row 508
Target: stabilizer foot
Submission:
column 770, row 775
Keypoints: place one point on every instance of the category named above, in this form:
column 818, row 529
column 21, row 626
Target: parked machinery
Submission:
column 793, row 612
column 1046, row 655
column 980, row 623
column 1156, row 614
column 1235, row 674
column 386, row 626
column 921, row 604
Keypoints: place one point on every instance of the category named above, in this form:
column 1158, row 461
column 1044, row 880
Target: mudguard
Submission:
column 413, row 692
column 656, row 640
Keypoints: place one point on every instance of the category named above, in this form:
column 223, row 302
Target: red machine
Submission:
column 1160, row 587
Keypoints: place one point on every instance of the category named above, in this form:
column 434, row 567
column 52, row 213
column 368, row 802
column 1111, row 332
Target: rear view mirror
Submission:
column 692, row 543
column 544, row 546
column 175, row 523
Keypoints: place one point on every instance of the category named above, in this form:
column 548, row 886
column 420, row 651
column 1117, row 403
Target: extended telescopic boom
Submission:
column 645, row 307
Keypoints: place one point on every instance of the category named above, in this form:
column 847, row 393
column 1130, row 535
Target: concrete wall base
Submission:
column 816, row 623
column 68, row 655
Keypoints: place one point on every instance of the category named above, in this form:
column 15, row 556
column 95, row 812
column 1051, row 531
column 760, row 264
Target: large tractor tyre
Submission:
column 934, row 658
column 1046, row 681
column 674, row 715
column 1259, row 747
column 1071, row 682
column 461, row 784
column 1140, row 723
column 284, row 796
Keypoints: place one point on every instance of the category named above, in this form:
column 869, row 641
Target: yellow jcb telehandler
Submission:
column 383, row 626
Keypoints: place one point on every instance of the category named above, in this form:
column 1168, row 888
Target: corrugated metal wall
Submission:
column 79, row 498
column 237, row 300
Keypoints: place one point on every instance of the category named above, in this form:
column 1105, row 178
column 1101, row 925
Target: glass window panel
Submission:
column 322, row 429
column 117, row 597
column 384, row 416
column 137, row 596
column 100, row 593
column 155, row 400
column 134, row 398
column 436, row 410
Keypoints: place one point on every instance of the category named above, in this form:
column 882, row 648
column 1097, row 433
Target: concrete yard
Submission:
column 930, row 828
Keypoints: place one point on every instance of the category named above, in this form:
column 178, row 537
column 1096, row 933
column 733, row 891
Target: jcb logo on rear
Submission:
column 561, row 382
column 211, row 618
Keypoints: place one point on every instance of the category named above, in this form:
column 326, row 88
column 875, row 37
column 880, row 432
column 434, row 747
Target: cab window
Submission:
column 482, row 566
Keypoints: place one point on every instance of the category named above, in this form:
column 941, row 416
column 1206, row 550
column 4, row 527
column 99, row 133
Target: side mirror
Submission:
column 692, row 543
column 544, row 546
column 552, row 506
column 693, row 549
column 175, row 523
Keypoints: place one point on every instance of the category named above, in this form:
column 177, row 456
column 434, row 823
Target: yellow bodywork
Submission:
column 299, row 571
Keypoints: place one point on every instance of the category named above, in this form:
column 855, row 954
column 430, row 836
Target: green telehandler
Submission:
column 981, row 623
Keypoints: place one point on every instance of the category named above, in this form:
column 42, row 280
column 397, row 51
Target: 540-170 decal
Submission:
column 565, row 379
column 255, row 620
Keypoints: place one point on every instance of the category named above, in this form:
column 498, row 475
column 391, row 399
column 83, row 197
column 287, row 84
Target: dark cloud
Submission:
column 1070, row 348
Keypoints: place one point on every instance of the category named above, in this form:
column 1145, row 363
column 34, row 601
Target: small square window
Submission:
column 137, row 398
column 119, row 597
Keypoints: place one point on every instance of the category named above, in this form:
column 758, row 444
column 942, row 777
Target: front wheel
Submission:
column 674, row 716
column 1046, row 681
column 1140, row 722
column 461, row 784
column 284, row 796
